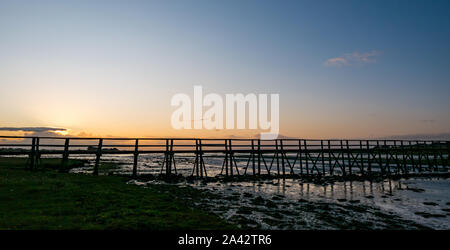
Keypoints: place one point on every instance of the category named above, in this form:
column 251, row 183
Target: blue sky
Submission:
column 342, row 68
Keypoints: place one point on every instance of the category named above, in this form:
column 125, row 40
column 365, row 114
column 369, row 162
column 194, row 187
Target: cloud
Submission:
column 336, row 61
column 352, row 59
column 32, row 129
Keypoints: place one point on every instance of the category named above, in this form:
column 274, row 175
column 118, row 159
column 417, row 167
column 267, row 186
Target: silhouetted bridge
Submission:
column 281, row 157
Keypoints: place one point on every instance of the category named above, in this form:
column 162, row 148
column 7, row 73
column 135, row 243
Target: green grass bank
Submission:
column 51, row 199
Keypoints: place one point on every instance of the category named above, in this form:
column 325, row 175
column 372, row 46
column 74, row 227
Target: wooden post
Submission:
column 38, row 154
column 362, row 156
column 447, row 160
column 388, row 158
column 405, row 168
column 411, row 155
column 202, row 162
column 300, row 156
column 323, row 159
column 253, row 156
column 276, row 153
column 135, row 160
column 231, row 157
column 33, row 153
column 168, row 159
column 173, row 157
column 197, row 158
column 439, row 154
column 259, row 157
column 349, row 159
column 226, row 157
column 282, row 158
column 397, row 163
column 444, row 161
column 66, row 153
column 420, row 155
column 380, row 159
column 329, row 158
column 427, row 154
column 98, row 155
column 306, row 157
column 200, row 156
column 343, row 159
column 435, row 154
column 369, row 167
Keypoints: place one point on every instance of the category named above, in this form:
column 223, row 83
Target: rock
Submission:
column 258, row 201
column 430, row 203
column 276, row 215
column 248, row 195
column 277, row 197
column 428, row 215
column 244, row 210
column 417, row 190
column 271, row 222
column 243, row 222
column 271, row 204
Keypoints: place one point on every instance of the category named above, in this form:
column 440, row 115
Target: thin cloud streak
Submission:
column 31, row 129
column 352, row 59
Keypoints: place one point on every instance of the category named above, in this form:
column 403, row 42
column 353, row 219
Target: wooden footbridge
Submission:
column 281, row 157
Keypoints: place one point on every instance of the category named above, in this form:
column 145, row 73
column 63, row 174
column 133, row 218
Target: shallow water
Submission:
column 425, row 201
column 152, row 164
column 404, row 197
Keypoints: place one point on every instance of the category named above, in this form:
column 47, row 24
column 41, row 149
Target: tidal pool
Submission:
column 414, row 203
column 291, row 204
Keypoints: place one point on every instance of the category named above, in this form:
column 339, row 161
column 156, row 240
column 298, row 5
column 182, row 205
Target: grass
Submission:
column 50, row 199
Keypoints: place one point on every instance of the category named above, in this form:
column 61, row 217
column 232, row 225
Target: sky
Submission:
column 342, row 69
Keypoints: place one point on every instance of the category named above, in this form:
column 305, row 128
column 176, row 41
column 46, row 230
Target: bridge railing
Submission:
column 249, row 156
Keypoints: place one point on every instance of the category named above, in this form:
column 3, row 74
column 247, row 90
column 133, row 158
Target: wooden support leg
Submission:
column 98, row 155
column 33, row 153
column 65, row 158
column 135, row 160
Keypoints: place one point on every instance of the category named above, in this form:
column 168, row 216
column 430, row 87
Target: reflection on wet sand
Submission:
column 405, row 199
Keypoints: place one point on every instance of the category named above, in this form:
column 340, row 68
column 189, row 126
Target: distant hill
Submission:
column 441, row 136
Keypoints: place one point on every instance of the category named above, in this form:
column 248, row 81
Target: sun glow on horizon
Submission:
column 62, row 132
